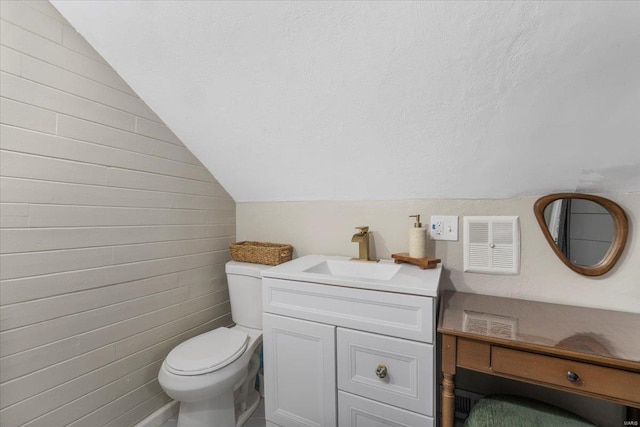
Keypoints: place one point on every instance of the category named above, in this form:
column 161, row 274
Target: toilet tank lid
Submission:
column 245, row 268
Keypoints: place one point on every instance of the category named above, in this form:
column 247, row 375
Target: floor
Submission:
column 256, row 420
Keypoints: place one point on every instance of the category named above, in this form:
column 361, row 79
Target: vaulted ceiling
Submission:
column 386, row 100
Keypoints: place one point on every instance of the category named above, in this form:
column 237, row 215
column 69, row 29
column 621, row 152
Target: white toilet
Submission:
column 212, row 375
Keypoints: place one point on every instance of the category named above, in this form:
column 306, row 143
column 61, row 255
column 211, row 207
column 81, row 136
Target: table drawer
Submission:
column 398, row 315
column 591, row 379
column 356, row 411
column 409, row 379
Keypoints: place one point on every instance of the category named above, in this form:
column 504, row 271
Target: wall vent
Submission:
column 492, row 244
column 464, row 402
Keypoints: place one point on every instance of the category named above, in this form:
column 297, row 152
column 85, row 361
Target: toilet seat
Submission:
column 207, row 352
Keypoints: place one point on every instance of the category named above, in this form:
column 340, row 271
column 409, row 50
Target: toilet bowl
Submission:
column 212, row 375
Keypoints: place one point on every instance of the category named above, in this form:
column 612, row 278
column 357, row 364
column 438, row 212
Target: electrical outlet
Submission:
column 444, row 227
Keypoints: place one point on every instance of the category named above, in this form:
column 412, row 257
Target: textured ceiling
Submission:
column 377, row 100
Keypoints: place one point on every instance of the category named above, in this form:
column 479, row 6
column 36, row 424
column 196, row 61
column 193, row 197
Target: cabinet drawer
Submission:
column 355, row 411
column 398, row 315
column 552, row 370
column 409, row 381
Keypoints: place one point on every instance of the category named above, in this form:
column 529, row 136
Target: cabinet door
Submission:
column 299, row 372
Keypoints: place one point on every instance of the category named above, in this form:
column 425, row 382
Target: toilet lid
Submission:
column 207, row 352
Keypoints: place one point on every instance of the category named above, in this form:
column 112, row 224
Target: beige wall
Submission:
column 326, row 228
column 113, row 238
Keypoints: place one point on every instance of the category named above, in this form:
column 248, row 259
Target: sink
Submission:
column 340, row 271
column 355, row 269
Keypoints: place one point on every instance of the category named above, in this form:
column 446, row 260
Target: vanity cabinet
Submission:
column 339, row 356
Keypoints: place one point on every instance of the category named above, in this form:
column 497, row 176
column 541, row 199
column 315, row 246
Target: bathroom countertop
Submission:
column 409, row 279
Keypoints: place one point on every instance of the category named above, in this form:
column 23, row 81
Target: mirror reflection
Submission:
column 583, row 230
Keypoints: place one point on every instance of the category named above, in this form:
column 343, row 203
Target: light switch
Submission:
column 444, row 227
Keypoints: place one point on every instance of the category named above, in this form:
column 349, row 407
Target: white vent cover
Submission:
column 492, row 244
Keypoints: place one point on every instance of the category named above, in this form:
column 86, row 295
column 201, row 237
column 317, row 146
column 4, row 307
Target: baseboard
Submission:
column 161, row 416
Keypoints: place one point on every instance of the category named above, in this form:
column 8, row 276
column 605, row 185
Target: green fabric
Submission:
column 515, row 411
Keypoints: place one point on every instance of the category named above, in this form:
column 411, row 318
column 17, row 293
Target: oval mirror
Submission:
column 588, row 233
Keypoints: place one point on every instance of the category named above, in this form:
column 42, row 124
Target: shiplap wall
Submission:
column 113, row 240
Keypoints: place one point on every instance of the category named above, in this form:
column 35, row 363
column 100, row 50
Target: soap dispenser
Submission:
column 417, row 239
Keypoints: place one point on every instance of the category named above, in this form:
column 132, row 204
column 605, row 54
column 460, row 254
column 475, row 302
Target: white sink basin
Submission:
column 340, row 271
column 356, row 269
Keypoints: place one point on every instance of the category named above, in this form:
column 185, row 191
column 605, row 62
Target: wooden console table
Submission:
column 575, row 349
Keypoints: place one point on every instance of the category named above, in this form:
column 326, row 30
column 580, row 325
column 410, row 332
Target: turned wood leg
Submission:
column 449, row 344
column 448, row 400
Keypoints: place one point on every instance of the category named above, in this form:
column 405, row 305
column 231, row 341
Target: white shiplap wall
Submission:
column 113, row 239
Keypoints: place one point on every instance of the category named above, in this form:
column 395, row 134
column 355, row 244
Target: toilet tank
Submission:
column 245, row 293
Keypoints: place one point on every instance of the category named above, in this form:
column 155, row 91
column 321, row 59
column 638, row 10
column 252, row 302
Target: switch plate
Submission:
column 444, row 227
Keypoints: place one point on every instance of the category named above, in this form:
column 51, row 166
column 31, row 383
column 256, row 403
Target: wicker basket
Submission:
column 261, row 252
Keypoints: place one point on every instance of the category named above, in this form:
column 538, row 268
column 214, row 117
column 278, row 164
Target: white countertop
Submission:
column 410, row 279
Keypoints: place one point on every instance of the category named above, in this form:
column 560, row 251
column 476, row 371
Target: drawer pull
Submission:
column 572, row 376
column 381, row 371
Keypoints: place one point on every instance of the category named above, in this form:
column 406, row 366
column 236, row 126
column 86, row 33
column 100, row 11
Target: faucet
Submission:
column 362, row 237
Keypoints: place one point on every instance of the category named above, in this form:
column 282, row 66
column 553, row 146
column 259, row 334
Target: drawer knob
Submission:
column 572, row 376
column 381, row 371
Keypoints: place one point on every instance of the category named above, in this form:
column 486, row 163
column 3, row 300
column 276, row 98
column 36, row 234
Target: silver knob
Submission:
column 572, row 376
column 381, row 371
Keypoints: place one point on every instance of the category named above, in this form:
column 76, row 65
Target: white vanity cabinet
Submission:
column 342, row 356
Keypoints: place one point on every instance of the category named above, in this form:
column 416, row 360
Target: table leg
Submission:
column 448, row 380
column 448, row 400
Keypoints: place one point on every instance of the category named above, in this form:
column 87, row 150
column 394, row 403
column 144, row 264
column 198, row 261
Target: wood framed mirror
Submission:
column 588, row 233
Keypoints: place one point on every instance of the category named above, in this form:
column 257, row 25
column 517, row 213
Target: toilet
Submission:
column 212, row 375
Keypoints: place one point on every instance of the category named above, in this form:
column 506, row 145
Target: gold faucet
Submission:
column 362, row 237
